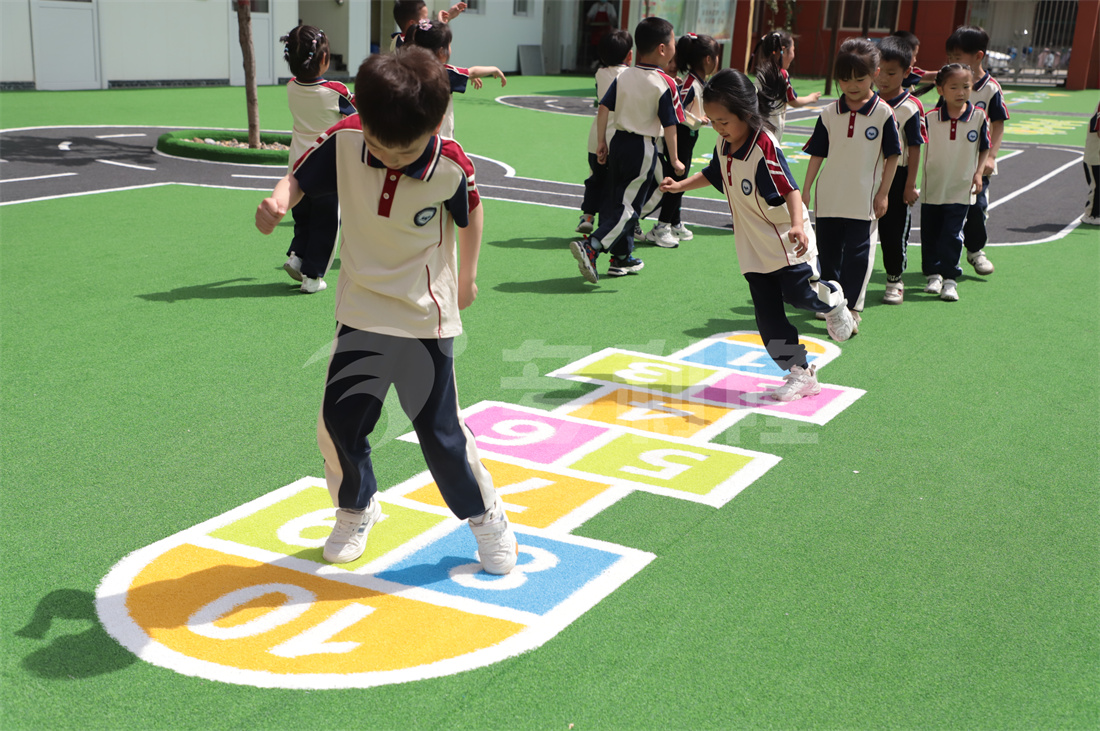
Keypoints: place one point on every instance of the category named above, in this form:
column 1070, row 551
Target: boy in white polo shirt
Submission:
column 646, row 102
column 1092, row 171
column 859, row 136
column 404, row 190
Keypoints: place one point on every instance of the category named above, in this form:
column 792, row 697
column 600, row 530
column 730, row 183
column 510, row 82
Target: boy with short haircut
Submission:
column 615, row 55
column 895, row 66
column 407, row 12
column 398, row 297
column 646, row 102
column 968, row 45
column 859, row 136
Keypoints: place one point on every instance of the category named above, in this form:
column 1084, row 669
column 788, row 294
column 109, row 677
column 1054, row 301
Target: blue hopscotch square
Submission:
column 739, row 357
column 548, row 571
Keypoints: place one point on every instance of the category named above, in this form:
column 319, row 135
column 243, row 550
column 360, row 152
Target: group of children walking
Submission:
column 864, row 151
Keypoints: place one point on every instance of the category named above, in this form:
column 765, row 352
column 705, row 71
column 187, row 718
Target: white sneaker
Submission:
column 935, row 284
column 950, row 291
column 293, row 267
column 800, row 382
column 895, row 293
column 310, row 285
column 638, row 235
column 839, row 322
column 682, row 232
column 497, row 548
column 587, row 224
column 1091, row 220
column 348, row 539
column 662, row 236
column 981, row 264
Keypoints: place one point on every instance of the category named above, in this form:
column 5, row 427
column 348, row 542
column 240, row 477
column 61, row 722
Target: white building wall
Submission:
column 16, row 61
column 347, row 27
column 167, row 39
column 491, row 37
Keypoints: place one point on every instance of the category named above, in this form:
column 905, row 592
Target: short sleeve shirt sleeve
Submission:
column 315, row 171
column 609, row 98
column 818, row 144
column 774, row 179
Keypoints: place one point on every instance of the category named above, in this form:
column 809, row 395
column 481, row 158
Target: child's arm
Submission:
column 801, row 101
column 996, row 132
column 977, row 183
column 670, row 149
column 446, row 16
column 797, row 234
column 601, row 134
column 668, row 185
column 882, row 197
column 911, row 194
column 811, row 174
column 478, row 72
column 271, row 210
column 469, row 247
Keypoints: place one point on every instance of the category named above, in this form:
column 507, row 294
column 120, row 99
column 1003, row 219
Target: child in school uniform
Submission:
column 771, row 60
column 895, row 65
column 647, row 104
column 436, row 36
column 398, row 297
column 916, row 75
column 408, row 12
column 968, row 45
column 699, row 56
column 859, row 136
column 615, row 55
column 772, row 232
column 1092, row 171
column 957, row 150
column 315, row 105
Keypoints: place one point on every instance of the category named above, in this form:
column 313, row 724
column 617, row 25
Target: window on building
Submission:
column 473, row 6
column 881, row 15
column 521, row 7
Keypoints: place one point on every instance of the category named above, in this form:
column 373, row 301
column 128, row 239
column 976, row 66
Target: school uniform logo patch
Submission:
column 422, row 217
column 746, row 186
column 972, row 135
column 872, row 133
column 979, row 105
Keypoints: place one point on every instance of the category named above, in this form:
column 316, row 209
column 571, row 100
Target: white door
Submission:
column 65, row 44
column 261, row 43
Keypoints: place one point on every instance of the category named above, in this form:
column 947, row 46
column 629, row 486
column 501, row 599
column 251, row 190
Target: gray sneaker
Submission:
column 497, row 548
column 799, row 382
column 895, row 293
column 950, row 291
column 293, row 267
column 348, row 539
column 935, row 284
column 662, row 236
column 982, row 265
column 311, row 285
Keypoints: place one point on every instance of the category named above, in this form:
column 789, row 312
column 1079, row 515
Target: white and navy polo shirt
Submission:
column 604, row 76
column 915, row 77
column 645, row 99
column 398, row 263
column 755, row 179
column 778, row 116
column 909, row 113
column 986, row 94
column 951, row 156
column 315, row 106
column 857, row 143
column 459, row 78
column 1092, row 142
column 691, row 99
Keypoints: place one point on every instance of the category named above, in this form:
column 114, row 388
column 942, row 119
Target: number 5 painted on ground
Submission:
column 658, row 458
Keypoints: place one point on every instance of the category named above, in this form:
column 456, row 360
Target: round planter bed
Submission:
column 181, row 143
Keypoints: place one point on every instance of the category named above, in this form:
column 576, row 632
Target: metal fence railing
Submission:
column 1030, row 41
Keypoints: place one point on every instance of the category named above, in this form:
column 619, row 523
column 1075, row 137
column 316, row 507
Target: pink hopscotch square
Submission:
column 532, row 436
column 752, row 392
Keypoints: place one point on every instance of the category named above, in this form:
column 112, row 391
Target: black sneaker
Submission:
column 586, row 259
column 622, row 267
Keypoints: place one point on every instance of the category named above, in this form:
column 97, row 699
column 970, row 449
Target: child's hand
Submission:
column 678, row 167
column 601, row 152
column 668, row 185
column 268, row 215
column 500, row 75
column 881, row 204
column 454, row 11
column 814, row 96
column 467, row 292
column 990, row 163
column 477, row 83
column 976, row 184
column 912, row 195
column 800, row 240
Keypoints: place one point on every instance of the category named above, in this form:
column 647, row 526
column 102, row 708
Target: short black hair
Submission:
column 614, row 47
column 950, row 70
column 857, row 57
column 893, row 48
column 405, row 95
column 407, row 11
column 908, row 37
column 968, row 39
column 650, row 33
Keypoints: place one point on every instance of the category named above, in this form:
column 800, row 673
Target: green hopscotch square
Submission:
column 306, row 538
column 672, row 465
column 634, row 369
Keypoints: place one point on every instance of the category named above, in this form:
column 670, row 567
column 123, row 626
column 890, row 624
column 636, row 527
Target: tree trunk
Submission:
column 244, row 27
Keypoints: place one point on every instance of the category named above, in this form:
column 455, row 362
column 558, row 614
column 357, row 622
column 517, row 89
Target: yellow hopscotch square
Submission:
column 651, row 412
column 754, row 339
column 533, row 498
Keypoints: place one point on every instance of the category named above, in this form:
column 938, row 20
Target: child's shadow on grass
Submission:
column 77, row 654
column 543, row 244
column 225, row 289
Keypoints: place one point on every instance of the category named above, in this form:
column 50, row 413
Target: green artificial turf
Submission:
column 927, row 559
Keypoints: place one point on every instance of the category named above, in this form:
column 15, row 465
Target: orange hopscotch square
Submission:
column 651, row 412
column 533, row 498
